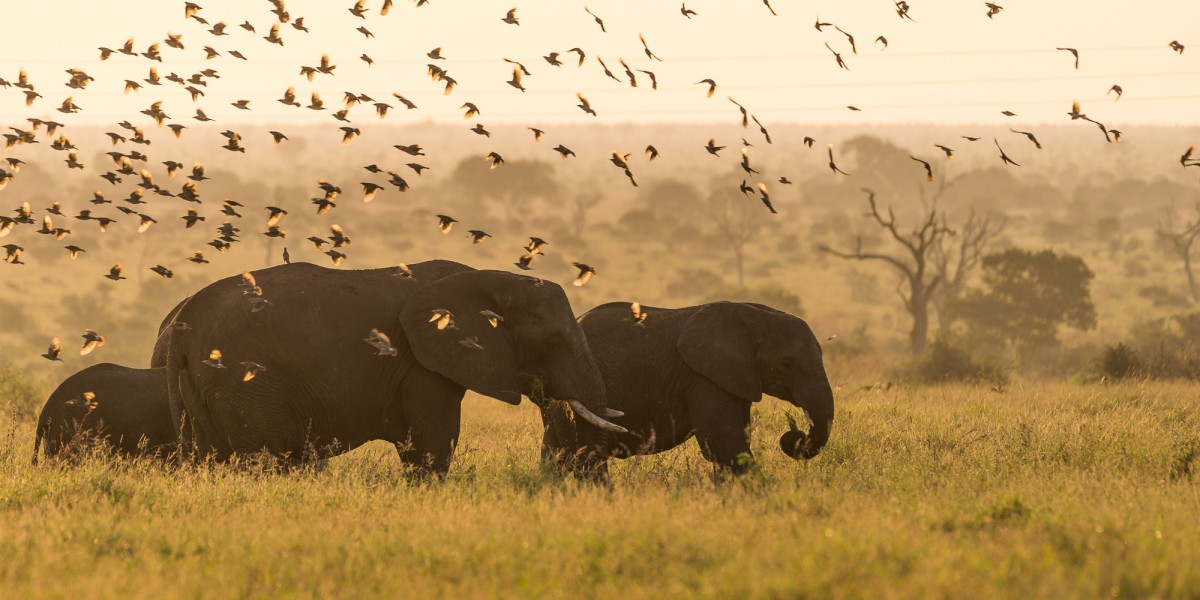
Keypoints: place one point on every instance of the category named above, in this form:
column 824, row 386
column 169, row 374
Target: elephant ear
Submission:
column 717, row 343
column 490, row 370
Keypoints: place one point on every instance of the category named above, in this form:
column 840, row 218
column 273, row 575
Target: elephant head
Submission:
column 537, row 337
column 750, row 349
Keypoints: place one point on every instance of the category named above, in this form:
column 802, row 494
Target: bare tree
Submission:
column 1181, row 243
column 956, row 259
column 737, row 220
column 913, row 263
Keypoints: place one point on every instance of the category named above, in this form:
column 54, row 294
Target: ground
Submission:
column 1048, row 490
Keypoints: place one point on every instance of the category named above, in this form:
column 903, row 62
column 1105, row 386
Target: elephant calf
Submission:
column 678, row 373
column 120, row 408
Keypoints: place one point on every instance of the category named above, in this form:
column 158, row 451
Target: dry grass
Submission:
column 1045, row 490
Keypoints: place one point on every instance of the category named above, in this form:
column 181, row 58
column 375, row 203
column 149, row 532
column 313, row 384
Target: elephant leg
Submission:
column 432, row 410
column 722, row 425
column 573, row 446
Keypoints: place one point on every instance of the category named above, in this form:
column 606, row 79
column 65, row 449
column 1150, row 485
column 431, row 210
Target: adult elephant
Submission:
column 119, row 408
column 162, row 344
column 325, row 390
column 690, row 371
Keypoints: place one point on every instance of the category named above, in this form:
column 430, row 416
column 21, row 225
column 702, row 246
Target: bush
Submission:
column 1160, row 349
column 946, row 361
column 1118, row 362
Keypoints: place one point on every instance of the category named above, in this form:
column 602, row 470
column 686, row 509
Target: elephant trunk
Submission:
column 575, row 379
column 817, row 403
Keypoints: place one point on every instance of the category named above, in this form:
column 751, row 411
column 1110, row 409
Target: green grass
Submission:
column 1044, row 490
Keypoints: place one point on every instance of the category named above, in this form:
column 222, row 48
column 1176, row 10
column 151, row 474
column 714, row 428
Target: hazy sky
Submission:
column 952, row 65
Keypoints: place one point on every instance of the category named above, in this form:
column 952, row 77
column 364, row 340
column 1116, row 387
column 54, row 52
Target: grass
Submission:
column 1043, row 490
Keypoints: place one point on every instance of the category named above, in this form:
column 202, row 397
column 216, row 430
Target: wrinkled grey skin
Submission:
column 693, row 372
column 326, row 391
column 131, row 416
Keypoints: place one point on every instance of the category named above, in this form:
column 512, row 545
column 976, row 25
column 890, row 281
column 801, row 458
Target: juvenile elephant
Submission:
column 320, row 389
column 690, row 371
column 125, row 410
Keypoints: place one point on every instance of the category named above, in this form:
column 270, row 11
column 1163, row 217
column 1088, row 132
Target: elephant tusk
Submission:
column 591, row 417
column 612, row 412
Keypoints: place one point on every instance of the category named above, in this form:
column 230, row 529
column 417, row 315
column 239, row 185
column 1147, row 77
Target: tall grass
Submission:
column 1042, row 490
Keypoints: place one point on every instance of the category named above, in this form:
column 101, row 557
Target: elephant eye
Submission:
column 787, row 361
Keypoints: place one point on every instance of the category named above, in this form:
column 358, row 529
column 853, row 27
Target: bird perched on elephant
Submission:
column 679, row 373
column 119, row 408
column 325, row 387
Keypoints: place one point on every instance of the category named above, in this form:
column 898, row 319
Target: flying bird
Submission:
column 1028, row 135
column 584, row 105
column 598, row 21
column 1004, row 157
column 832, row 165
column 446, row 223
column 638, row 316
column 381, row 342
column 91, row 341
column 53, row 351
column 837, row 56
column 115, row 273
column 214, row 359
column 442, row 318
column 928, row 168
column 585, row 273
column 252, row 370
column 493, row 319
column 766, row 198
column 1074, row 53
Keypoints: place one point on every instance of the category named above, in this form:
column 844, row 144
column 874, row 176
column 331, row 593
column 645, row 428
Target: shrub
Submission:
column 946, row 361
column 1118, row 362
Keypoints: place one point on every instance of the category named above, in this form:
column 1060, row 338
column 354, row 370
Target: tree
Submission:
column 956, row 259
column 738, row 219
column 1026, row 297
column 912, row 263
column 1180, row 242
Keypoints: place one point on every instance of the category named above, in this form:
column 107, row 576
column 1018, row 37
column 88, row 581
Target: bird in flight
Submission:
column 832, row 165
column 928, row 168
column 1004, row 157
column 1074, row 53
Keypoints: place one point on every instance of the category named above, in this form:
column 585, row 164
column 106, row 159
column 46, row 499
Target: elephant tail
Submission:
column 37, row 439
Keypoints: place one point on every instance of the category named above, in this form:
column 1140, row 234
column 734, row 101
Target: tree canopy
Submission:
column 1026, row 297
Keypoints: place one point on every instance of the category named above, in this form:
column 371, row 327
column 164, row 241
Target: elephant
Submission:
column 128, row 412
column 162, row 344
column 323, row 383
column 695, row 371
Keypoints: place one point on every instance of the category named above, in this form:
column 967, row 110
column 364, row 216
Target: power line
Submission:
column 711, row 58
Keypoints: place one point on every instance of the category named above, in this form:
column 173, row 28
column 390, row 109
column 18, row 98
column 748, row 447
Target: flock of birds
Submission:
column 131, row 160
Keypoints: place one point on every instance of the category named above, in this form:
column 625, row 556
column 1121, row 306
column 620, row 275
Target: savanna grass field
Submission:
column 986, row 214
column 1042, row 490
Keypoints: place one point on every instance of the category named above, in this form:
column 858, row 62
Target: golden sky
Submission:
column 952, row 64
